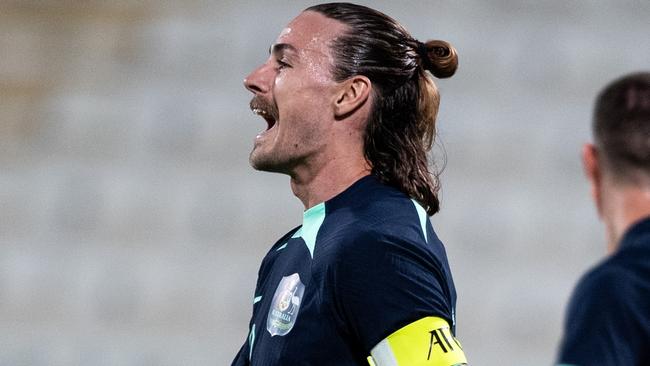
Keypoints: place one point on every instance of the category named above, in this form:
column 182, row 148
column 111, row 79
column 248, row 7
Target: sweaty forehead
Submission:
column 311, row 31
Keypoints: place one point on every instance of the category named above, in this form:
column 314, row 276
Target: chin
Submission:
column 266, row 162
column 273, row 164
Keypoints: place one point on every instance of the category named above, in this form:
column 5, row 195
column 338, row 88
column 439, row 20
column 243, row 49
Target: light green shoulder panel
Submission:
column 311, row 223
column 422, row 214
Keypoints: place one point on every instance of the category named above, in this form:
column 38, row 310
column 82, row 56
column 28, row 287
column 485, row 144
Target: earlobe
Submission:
column 353, row 94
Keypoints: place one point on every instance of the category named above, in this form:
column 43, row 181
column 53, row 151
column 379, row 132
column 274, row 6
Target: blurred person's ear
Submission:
column 593, row 170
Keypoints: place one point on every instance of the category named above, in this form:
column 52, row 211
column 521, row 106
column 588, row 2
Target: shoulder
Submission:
column 370, row 201
column 609, row 277
column 366, row 243
column 377, row 282
column 603, row 318
column 604, row 295
column 387, row 227
column 374, row 256
column 383, row 214
column 602, row 285
column 272, row 253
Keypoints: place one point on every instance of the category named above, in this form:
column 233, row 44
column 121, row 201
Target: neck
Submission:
column 315, row 185
column 626, row 206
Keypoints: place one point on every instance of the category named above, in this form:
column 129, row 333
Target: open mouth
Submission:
column 268, row 117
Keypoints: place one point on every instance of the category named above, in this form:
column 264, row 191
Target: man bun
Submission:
column 441, row 58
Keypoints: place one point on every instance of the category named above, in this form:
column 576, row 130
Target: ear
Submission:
column 353, row 94
column 593, row 170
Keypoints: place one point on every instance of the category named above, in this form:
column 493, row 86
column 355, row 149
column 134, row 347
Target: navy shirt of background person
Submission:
column 609, row 314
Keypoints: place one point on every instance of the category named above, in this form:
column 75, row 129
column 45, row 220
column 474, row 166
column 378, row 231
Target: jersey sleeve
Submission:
column 425, row 342
column 600, row 325
column 381, row 284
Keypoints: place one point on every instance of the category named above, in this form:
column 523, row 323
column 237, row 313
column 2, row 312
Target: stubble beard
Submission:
column 277, row 156
column 260, row 161
column 269, row 161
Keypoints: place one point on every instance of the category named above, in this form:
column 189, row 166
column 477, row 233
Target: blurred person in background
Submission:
column 350, row 106
column 608, row 319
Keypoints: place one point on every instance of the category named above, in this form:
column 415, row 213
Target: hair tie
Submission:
column 423, row 52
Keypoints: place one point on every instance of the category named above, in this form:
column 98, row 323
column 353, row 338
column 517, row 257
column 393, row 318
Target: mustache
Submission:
column 260, row 103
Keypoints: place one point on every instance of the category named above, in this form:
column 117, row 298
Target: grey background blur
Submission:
column 132, row 227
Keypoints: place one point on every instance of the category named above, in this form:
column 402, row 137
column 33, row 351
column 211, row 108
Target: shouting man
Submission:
column 350, row 105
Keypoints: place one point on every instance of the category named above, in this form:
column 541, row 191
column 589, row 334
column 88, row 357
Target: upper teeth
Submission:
column 259, row 111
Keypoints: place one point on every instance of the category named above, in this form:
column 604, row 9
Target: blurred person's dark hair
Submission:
column 622, row 128
column 402, row 126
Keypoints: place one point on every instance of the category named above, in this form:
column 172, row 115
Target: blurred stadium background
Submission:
column 131, row 226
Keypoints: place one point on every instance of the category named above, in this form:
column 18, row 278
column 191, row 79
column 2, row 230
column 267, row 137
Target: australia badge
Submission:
column 285, row 305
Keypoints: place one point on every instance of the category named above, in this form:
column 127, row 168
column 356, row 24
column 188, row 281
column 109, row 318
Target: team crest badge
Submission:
column 285, row 305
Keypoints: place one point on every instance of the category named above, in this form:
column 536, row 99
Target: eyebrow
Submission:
column 281, row 47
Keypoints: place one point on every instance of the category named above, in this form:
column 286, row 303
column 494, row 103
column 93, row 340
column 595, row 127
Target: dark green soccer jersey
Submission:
column 362, row 265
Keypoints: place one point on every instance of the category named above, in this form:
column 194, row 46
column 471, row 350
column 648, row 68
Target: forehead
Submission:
column 311, row 31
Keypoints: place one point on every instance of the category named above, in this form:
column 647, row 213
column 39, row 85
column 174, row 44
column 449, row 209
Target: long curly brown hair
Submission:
column 402, row 126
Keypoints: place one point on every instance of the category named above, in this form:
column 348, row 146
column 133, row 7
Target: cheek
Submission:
column 279, row 82
column 302, row 95
column 287, row 90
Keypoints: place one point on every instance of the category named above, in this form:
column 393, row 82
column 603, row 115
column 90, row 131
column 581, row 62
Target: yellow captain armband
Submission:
column 426, row 342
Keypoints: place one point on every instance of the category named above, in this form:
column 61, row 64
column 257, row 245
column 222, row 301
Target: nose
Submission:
column 258, row 81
